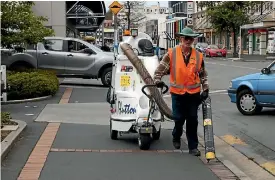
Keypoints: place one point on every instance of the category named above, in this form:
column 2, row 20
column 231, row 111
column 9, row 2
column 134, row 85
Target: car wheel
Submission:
column 106, row 76
column 246, row 103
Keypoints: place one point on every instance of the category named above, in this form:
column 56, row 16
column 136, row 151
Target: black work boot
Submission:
column 176, row 143
column 195, row 152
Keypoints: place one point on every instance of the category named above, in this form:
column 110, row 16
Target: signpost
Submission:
column 115, row 7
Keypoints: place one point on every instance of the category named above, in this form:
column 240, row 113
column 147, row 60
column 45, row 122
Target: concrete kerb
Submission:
column 9, row 141
column 227, row 154
column 27, row 100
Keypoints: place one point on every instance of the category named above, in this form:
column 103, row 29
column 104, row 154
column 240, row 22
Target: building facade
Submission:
column 153, row 23
column 69, row 18
column 176, row 20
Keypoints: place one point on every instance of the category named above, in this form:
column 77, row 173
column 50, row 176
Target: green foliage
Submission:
column 227, row 15
column 5, row 118
column 31, row 84
column 20, row 26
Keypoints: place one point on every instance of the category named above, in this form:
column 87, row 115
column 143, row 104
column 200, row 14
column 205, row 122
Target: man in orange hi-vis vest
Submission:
column 188, row 86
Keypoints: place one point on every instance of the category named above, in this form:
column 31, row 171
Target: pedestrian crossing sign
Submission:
column 115, row 7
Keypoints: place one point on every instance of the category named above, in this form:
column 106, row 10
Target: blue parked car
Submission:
column 254, row 91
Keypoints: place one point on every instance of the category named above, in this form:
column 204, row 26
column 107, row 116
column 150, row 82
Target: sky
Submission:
column 148, row 3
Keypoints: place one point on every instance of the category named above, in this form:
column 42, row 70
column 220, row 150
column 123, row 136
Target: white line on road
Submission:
column 217, row 91
column 29, row 114
column 243, row 67
column 211, row 92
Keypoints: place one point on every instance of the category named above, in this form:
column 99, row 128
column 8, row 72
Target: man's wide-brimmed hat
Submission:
column 187, row 32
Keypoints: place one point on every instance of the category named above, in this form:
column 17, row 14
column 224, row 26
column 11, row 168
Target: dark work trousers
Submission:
column 185, row 107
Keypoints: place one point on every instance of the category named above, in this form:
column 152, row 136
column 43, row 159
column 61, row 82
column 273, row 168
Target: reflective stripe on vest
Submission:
column 174, row 58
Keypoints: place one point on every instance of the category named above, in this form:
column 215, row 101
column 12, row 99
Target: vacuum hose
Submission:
column 133, row 58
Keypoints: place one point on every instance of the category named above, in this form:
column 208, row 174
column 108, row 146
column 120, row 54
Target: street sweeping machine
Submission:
column 137, row 105
column 132, row 108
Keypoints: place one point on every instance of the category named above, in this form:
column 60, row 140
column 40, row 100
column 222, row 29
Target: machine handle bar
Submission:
column 154, row 85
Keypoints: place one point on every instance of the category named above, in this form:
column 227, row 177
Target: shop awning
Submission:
column 264, row 24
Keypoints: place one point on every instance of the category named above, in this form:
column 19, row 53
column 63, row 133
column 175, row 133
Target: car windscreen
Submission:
column 213, row 47
column 96, row 48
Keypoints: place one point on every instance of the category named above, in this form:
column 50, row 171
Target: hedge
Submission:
column 6, row 119
column 31, row 84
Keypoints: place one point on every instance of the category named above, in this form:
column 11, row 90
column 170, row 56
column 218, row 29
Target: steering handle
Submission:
column 154, row 85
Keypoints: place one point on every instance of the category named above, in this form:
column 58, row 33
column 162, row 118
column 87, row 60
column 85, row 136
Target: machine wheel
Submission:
column 144, row 141
column 156, row 135
column 113, row 133
column 246, row 103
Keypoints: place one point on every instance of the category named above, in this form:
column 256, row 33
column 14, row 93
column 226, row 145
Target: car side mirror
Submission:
column 88, row 51
column 265, row 71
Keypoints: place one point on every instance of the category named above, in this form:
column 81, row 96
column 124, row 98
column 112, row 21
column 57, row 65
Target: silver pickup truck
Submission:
column 69, row 57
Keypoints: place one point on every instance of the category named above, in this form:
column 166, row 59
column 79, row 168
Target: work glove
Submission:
column 204, row 94
column 160, row 84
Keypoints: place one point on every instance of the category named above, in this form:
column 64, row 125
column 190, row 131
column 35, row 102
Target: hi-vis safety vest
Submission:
column 184, row 78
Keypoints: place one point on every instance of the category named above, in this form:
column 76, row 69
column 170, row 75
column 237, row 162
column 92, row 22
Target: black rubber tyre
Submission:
column 246, row 93
column 156, row 135
column 113, row 133
column 106, row 76
column 144, row 141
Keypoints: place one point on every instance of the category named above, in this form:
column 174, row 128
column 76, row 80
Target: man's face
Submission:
column 186, row 41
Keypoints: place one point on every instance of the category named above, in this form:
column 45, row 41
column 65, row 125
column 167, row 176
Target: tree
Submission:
column 133, row 10
column 20, row 26
column 228, row 16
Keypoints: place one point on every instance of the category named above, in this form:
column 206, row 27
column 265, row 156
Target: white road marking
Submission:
column 243, row 67
column 211, row 92
column 217, row 91
column 29, row 114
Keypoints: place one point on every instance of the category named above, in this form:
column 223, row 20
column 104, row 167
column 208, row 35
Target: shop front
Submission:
column 257, row 41
column 257, row 37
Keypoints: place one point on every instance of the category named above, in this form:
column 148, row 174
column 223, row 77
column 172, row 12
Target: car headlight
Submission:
column 230, row 84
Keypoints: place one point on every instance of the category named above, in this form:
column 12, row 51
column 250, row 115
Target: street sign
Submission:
column 115, row 7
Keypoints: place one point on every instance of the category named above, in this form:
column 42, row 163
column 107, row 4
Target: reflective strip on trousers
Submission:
column 174, row 59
